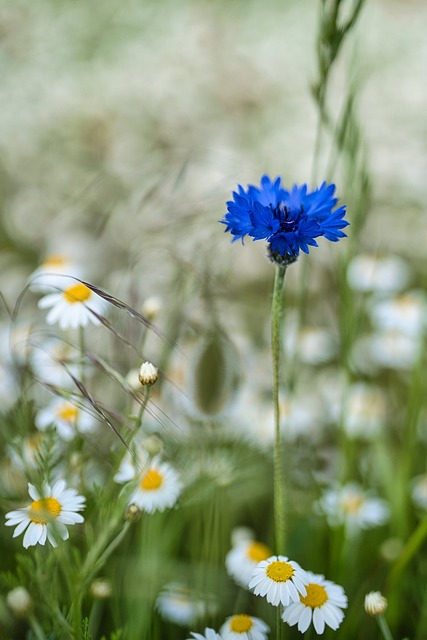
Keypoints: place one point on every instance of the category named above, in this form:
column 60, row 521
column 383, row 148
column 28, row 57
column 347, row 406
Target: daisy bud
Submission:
column 148, row 374
column 151, row 308
column 375, row 603
column 133, row 513
column 20, row 602
column 101, row 589
column 153, row 445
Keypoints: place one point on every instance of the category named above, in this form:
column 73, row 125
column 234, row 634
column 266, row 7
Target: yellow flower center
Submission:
column 54, row 261
column 241, row 623
column 44, row 510
column 280, row 571
column 77, row 293
column 68, row 413
column 258, row 551
column 316, row 596
column 152, row 480
column 352, row 504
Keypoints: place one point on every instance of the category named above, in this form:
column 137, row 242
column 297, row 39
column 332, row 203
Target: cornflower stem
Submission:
column 279, row 494
column 384, row 628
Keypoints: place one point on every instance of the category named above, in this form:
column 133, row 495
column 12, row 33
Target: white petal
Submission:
column 318, row 620
column 305, row 619
column 20, row 528
column 34, row 494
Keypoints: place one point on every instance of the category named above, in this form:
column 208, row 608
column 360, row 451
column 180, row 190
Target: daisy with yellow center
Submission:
column 279, row 580
column 209, row 634
column 351, row 506
column 244, row 627
column 322, row 605
column 54, row 272
column 68, row 419
column 47, row 516
column 158, row 488
column 73, row 307
column 242, row 559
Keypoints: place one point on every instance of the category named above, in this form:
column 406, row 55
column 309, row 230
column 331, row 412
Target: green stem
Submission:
column 141, row 411
column 411, row 547
column 385, row 629
column 279, row 495
column 36, row 628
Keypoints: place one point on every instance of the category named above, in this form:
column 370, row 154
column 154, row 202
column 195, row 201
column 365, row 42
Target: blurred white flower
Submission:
column 20, row 602
column 351, row 506
column 53, row 360
column 405, row 313
column 382, row 274
column 158, row 489
column 67, row 417
column 419, row 491
column 180, row 605
column 75, row 306
column 390, row 349
column 209, row 634
column 242, row 559
column 364, row 411
column 55, row 272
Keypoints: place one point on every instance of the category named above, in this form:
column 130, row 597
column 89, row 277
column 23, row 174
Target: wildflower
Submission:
column 53, row 361
column 148, row 374
column 210, row 634
column 244, row 627
column 20, row 602
column 151, row 307
column 375, row 603
column 289, row 220
column 66, row 417
column 55, row 271
column 349, row 505
column 382, row 274
column 405, row 314
column 101, row 589
column 242, row 559
column 322, row 604
column 178, row 604
column 46, row 517
column 158, row 489
column 278, row 579
column 364, row 411
column 419, row 491
column 73, row 307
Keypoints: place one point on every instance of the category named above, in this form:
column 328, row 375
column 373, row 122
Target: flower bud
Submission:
column 101, row 589
column 151, row 308
column 375, row 603
column 20, row 602
column 133, row 513
column 148, row 374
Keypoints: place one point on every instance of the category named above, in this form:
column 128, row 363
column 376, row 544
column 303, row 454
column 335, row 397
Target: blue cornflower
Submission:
column 289, row 220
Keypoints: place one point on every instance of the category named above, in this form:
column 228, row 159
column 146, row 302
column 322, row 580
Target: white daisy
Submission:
column 158, row 489
column 280, row 580
column 178, row 604
column 349, row 505
column 383, row 274
column 46, row 517
column 73, row 307
column 419, row 491
column 52, row 362
column 242, row 559
column 322, row 605
column 244, row 627
column 209, row 634
column 66, row 417
column 54, row 272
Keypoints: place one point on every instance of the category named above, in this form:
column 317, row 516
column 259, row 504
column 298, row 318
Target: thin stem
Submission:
column 385, row 629
column 279, row 495
column 141, row 411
